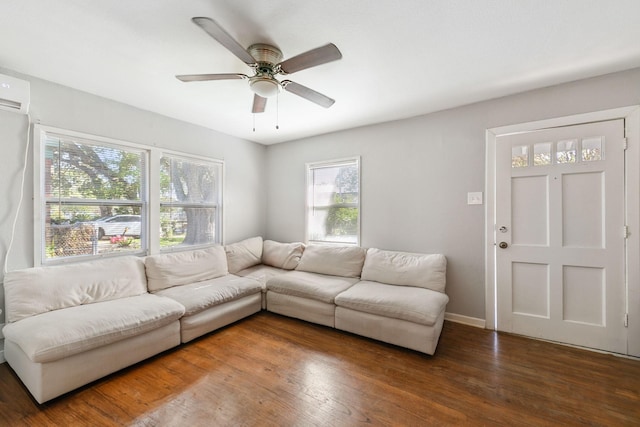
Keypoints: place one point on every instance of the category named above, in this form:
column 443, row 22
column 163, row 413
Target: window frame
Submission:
column 310, row 167
column 149, row 194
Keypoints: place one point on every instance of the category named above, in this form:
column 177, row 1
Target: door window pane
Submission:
column 520, row 156
column 542, row 153
column 592, row 149
column 566, row 151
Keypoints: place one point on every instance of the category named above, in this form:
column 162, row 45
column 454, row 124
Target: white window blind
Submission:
column 94, row 197
column 190, row 201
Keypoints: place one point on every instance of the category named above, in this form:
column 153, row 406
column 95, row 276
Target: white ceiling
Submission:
column 401, row 58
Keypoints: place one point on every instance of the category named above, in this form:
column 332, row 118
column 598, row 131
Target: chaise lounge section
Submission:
column 70, row 325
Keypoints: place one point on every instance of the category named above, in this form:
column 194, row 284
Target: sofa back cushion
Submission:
column 282, row 255
column 181, row 268
column 244, row 254
column 39, row 290
column 345, row 261
column 406, row 269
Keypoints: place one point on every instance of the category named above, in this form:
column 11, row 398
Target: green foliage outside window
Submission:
column 343, row 220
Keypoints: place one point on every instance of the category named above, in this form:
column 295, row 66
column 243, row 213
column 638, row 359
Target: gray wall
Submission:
column 416, row 174
column 63, row 107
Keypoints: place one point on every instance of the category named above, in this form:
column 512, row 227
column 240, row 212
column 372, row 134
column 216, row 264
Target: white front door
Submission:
column 560, row 235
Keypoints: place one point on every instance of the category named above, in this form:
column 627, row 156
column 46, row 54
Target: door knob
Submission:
column 503, row 245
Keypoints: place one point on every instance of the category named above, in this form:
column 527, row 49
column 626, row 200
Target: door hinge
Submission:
column 625, row 143
column 625, row 231
column 626, row 320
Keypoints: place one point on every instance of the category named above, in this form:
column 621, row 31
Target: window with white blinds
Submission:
column 93, row 199
column 92, row 191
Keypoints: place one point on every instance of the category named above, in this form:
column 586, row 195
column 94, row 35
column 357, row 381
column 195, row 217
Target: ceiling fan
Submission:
column 266, row 62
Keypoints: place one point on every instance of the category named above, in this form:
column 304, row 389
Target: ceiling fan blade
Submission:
column 308, row 94
column 207, row 77
column 221, row 36
column 259, row 103
column 318, row 56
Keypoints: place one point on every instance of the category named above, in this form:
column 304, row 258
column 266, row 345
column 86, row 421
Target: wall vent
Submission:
column 14, row 94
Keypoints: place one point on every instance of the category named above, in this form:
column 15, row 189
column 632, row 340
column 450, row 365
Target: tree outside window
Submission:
column 190, row 192
column 86, row 183
column 94, row 201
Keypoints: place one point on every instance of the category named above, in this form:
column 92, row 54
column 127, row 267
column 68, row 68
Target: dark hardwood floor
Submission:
column 269, row 370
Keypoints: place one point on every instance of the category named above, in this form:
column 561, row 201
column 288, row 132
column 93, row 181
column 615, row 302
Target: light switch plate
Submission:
column 474, row 198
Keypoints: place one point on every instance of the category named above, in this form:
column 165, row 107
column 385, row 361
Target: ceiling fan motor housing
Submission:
column 265, row 54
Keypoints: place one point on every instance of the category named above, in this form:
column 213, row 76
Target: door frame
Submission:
column 631, row 115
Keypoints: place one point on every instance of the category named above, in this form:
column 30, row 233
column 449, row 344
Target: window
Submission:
column 92, row 198
column 333, row 202
column 91, row 190
column 190, row 192
column 563, row 152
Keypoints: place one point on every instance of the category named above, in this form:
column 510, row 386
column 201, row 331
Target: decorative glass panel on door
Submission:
column 520, row 156
column 592, row 149
column 566, row 151
column 542, row 153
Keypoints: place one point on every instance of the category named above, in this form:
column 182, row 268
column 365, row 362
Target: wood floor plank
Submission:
column 269, row 370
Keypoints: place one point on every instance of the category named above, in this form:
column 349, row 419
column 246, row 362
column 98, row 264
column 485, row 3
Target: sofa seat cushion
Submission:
column 244, row 254
column 38, row 290
column 262, row 273
column 414, row 304
column 315, row 286
column 61, row 333
column 183, row 268
column 199, row 296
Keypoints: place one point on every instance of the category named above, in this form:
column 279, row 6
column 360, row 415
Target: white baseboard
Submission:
column 465, row 320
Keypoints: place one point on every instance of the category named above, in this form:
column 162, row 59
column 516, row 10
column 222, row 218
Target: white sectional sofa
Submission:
column 69, row 325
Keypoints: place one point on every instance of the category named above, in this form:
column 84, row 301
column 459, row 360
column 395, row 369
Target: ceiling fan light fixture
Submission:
column 264, row 86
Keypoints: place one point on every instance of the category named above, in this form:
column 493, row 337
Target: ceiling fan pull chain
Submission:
column 277, row 111
column 254, row 121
